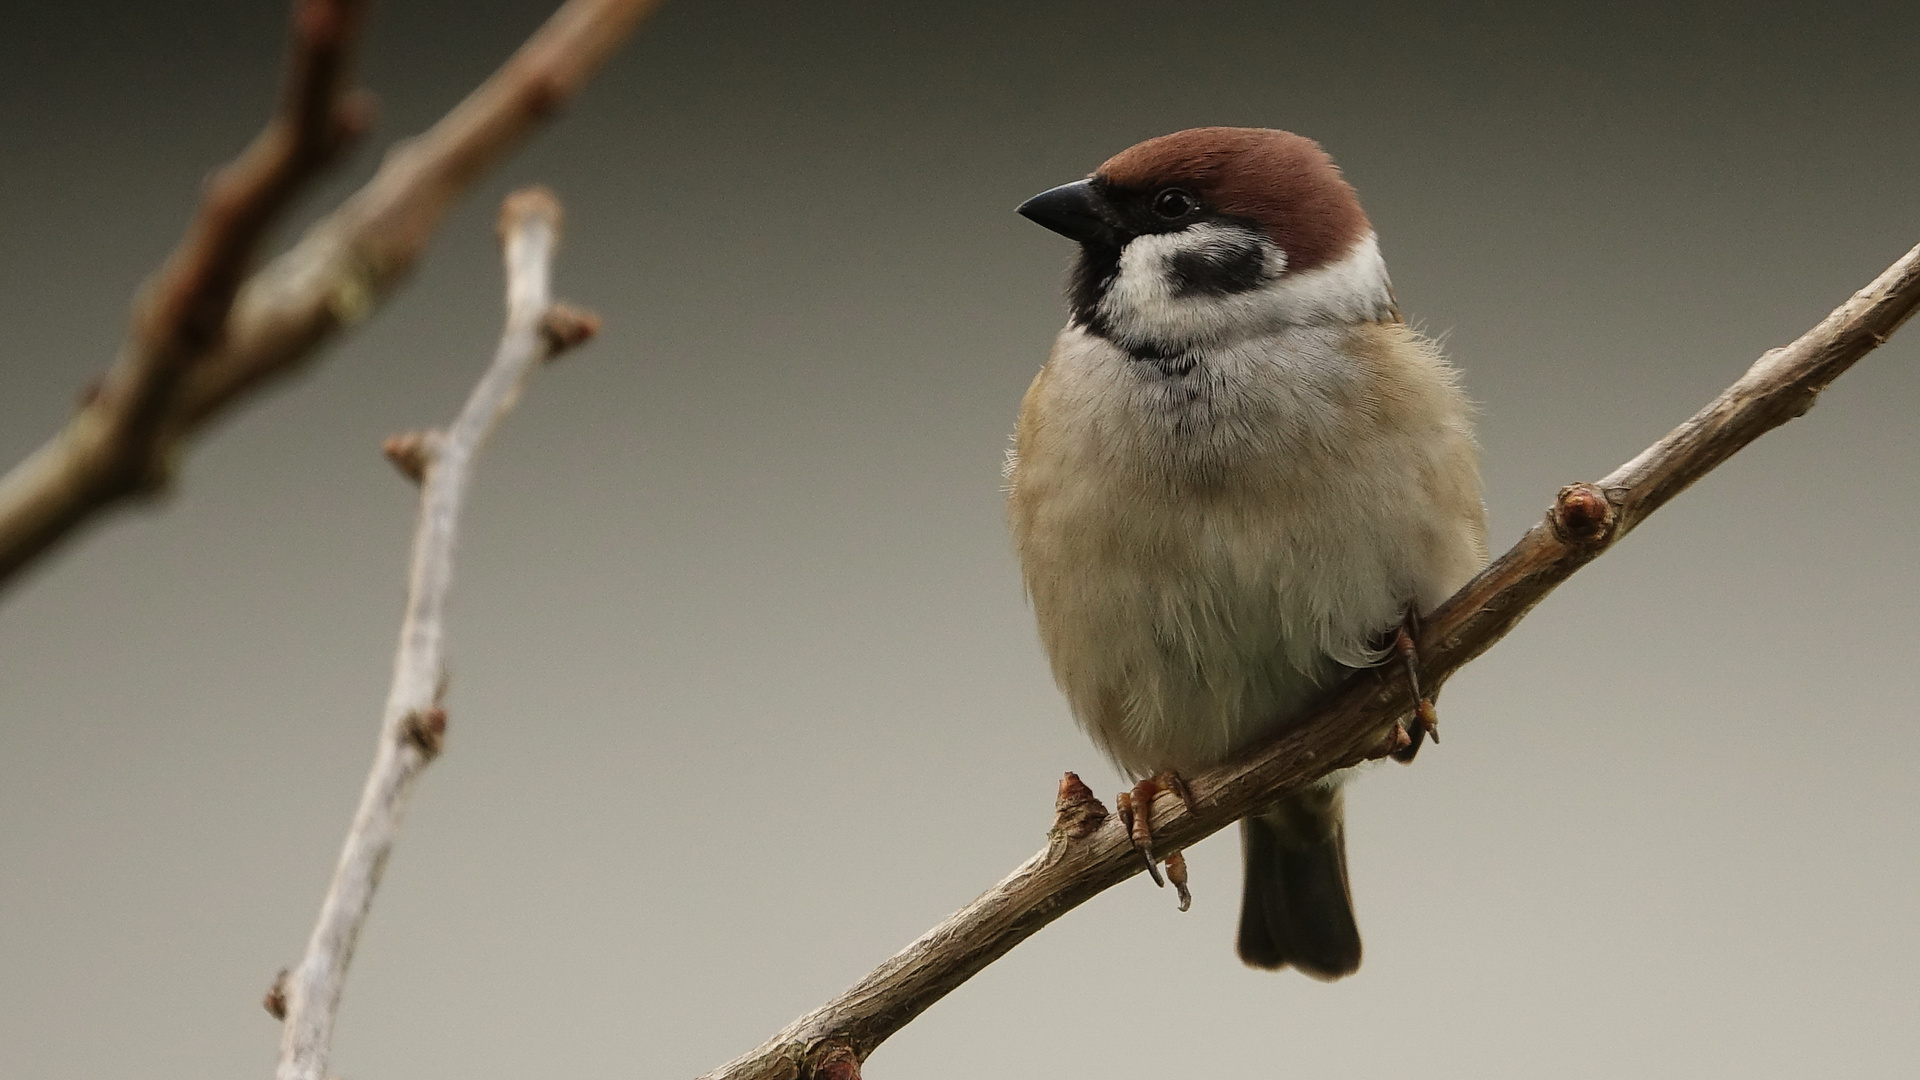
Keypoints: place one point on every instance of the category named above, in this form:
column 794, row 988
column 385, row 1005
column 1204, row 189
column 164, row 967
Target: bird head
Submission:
column 1212, row 234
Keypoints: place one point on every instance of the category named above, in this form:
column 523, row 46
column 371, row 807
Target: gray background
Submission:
column 745, row 692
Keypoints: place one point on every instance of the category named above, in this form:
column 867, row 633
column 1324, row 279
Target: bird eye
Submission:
column 1174, row 203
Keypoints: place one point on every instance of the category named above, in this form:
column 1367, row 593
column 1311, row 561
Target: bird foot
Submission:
column 1177, row 873
column 1136, row 816
column 1426, row 721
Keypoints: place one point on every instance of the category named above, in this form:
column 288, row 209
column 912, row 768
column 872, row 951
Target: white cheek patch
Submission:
column 1144, row 304
column 1145, row 300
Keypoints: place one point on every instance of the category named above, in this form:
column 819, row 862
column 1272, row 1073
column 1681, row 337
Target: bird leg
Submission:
column 1136, row 816
column 1426, row 720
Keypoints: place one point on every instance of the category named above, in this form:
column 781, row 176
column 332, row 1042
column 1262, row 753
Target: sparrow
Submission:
column 1239, row 476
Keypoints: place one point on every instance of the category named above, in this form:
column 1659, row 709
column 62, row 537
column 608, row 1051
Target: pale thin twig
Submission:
column 1087, row 853
column 204, row 337
column 414, row 723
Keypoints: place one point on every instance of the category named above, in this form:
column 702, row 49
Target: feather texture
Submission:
column 1206, row 552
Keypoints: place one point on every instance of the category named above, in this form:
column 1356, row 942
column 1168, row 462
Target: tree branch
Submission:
column 414, row 723
column 116, row 445
column 202, row 337
column 1086, row 854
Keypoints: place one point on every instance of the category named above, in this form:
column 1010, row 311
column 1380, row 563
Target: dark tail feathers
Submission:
column 1296, row 908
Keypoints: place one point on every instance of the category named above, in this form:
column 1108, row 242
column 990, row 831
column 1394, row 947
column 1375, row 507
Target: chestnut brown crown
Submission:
column 1281, row 182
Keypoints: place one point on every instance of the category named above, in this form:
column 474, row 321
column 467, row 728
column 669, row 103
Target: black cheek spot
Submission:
column 1218, row 269
column 1093, row 274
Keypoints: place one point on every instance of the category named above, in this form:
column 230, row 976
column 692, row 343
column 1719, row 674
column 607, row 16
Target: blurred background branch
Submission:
column 205, row 334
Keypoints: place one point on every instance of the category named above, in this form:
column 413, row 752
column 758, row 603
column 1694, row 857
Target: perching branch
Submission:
column 204, row 333
column 1086, row 854
column 411, row 730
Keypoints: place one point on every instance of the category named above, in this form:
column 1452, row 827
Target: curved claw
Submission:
column 1136, row 814
column 1139, row 827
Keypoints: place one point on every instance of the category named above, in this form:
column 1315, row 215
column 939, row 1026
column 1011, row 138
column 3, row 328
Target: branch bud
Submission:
column 276, row 999
column 1582, row 515
column 565, row 326
column 427, row 729
column 1076, row 813
column 411, row 453
column 526, row 206
column 832, row 1060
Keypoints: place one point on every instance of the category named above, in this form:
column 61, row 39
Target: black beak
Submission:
column 1075, row 211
